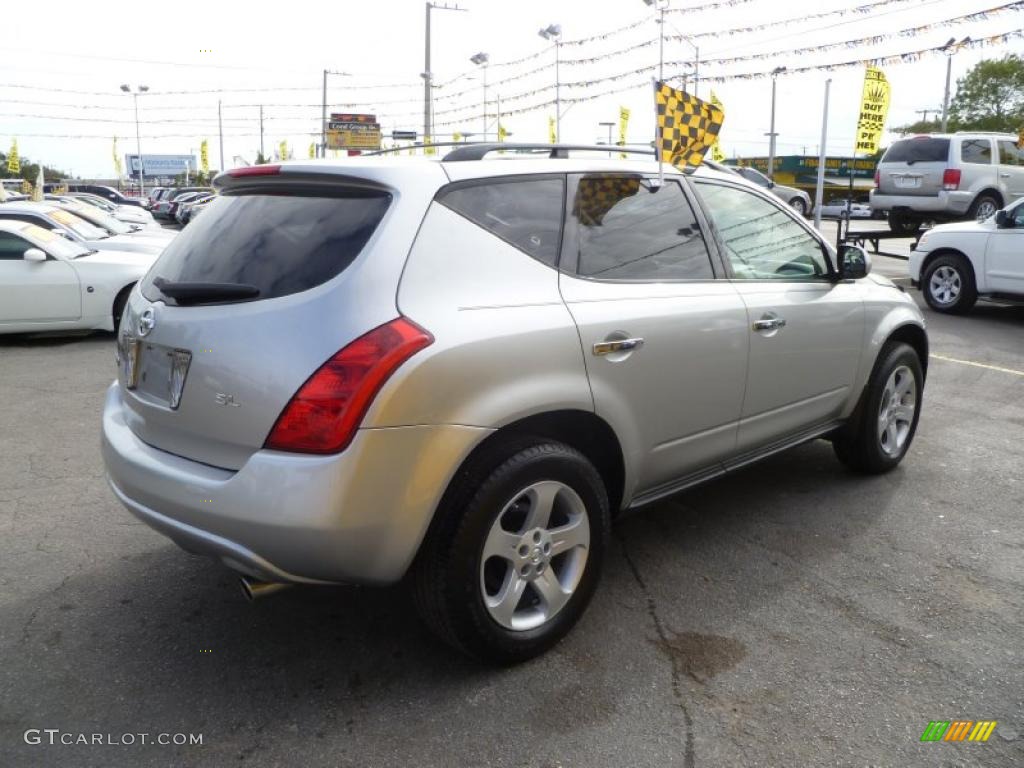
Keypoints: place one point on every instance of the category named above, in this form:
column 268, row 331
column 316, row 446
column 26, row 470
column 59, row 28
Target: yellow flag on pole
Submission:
column 552, row 133
column 312, row 150
column 874, row 107
column 118, row 170
column 687, row 126
column 13, row 161
column 204, row 156
column 716, row 148
column 456, row 136
column 502, row 133
column 282, row 150
column 623, row 125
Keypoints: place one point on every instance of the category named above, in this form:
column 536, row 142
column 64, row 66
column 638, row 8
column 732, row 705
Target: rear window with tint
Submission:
column 280, row 241
column 526, row 213
column 925, row 150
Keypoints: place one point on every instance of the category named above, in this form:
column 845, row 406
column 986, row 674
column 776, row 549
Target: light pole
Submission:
column 771, row 135
column 323, row 115
column 138, row 140
column 661, row 5
column 481, row 59
column 951, row 47
column 553, row 32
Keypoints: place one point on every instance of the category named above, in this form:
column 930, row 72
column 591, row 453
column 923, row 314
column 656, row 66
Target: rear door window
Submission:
column 976, row 151
column 924, row 149
column 628, row 228
column 280, row 241
column 1010, row 153
column 524, row 212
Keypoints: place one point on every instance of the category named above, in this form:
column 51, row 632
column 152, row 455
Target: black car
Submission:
column 108, row 193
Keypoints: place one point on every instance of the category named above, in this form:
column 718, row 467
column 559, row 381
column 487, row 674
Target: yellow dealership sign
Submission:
column 874, row 107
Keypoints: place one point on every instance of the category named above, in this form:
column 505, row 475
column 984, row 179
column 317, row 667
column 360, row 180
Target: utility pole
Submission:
column 951, row 47
column 220, row 127
column 819, row 191
column 553, row 33
column 772, row 134
column 323, row 120
column 427, row 74
column 261, row 133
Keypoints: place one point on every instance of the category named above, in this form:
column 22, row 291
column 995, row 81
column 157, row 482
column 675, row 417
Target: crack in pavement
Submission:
column 659, row 628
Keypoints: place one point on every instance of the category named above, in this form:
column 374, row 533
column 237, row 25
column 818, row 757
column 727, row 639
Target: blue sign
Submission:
column 161, row 165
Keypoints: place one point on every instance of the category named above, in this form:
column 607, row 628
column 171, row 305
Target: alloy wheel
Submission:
column 897, row 409
column 986, row 208
column 945, row 285
column 534, row 555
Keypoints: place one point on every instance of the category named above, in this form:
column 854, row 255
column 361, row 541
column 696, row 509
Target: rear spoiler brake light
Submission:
column 255, row 170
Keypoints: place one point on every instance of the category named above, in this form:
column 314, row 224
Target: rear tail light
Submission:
column 951, row 179
column 878, row 178
column 324, row 414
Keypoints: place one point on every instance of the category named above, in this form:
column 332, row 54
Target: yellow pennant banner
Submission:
column 623, row 125
column 716, row 148
column 687, row 126
column 874, row 107
column 552, row 134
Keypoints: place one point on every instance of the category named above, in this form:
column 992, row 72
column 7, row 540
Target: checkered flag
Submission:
column 687, row 126
column 596, row 195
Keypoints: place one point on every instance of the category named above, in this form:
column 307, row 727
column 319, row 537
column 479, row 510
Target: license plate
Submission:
column 907, row 182
column 160, row 372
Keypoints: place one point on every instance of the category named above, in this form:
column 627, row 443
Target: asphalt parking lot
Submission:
column 792, row 615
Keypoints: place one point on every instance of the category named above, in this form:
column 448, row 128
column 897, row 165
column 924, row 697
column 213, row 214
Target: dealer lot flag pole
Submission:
column 686, row 127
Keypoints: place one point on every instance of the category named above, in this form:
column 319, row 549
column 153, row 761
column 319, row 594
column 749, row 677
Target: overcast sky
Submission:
column 278, row 51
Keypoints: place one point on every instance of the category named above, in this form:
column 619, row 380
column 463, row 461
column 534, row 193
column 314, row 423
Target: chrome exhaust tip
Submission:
column 255, row 590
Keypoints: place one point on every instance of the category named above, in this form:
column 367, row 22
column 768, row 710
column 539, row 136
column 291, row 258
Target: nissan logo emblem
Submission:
column 146, row 322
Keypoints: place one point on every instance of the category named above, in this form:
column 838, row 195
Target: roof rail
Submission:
column 983, row 133
column 479, row 151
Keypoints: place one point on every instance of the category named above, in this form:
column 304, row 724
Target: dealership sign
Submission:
column 353, row 131
column 161, row 165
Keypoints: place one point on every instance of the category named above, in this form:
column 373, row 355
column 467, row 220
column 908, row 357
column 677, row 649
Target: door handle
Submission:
column 769, row 323
column 617, row 345
column 1004, row 175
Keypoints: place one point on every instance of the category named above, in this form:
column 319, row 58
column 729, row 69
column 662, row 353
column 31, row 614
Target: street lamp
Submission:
column 951, row 47
column 138, row 141
column 553, row 32
column 481, row 59
column 771, row 135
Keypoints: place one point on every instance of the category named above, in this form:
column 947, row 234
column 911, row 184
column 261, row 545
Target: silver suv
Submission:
column 458, row 372
column 943, row 177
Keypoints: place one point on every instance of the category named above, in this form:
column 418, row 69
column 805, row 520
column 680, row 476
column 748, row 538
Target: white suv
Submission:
column 458, row 372
column 954, row 264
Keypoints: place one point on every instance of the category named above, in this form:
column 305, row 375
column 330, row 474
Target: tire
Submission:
column 458, row 588
column 882, row 427
column 903, row 223
column 119, row 301
column 984, row 206
column 948, row 284
column 798, row 205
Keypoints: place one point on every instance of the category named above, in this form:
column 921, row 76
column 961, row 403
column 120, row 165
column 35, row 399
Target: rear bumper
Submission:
column 943, row 204
column 355, row 517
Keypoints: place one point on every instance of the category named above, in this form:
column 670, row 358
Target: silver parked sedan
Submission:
column 797, row 199
column 458, row 372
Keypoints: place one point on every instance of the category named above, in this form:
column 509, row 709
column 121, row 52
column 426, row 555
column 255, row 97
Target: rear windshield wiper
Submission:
column 204, row 293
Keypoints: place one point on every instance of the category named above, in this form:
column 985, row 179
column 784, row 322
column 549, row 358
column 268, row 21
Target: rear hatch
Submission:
column 244, row 305
column 914, row 166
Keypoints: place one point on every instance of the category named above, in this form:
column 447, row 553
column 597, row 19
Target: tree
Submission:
column 990, row 97
column 921, row 126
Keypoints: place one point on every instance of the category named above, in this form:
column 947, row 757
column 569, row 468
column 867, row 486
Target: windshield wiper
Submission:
column 203, row 293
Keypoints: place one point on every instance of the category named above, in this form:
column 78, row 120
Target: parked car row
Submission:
column 165, row 201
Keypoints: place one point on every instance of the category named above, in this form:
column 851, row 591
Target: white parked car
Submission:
column 836, row 209
column 49, row 283
column 955, row 264
column 130, row 214
column 62, row 221
column 112, row 225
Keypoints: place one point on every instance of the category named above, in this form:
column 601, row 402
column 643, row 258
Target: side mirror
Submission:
column 854, row 262
column 770, row 183
column 34, row 254
column 1002, row 220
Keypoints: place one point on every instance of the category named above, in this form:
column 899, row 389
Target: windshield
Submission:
column 78, row 225
column 923, row 149
column 755, row 176
column 53, row 243
column 101, row 219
